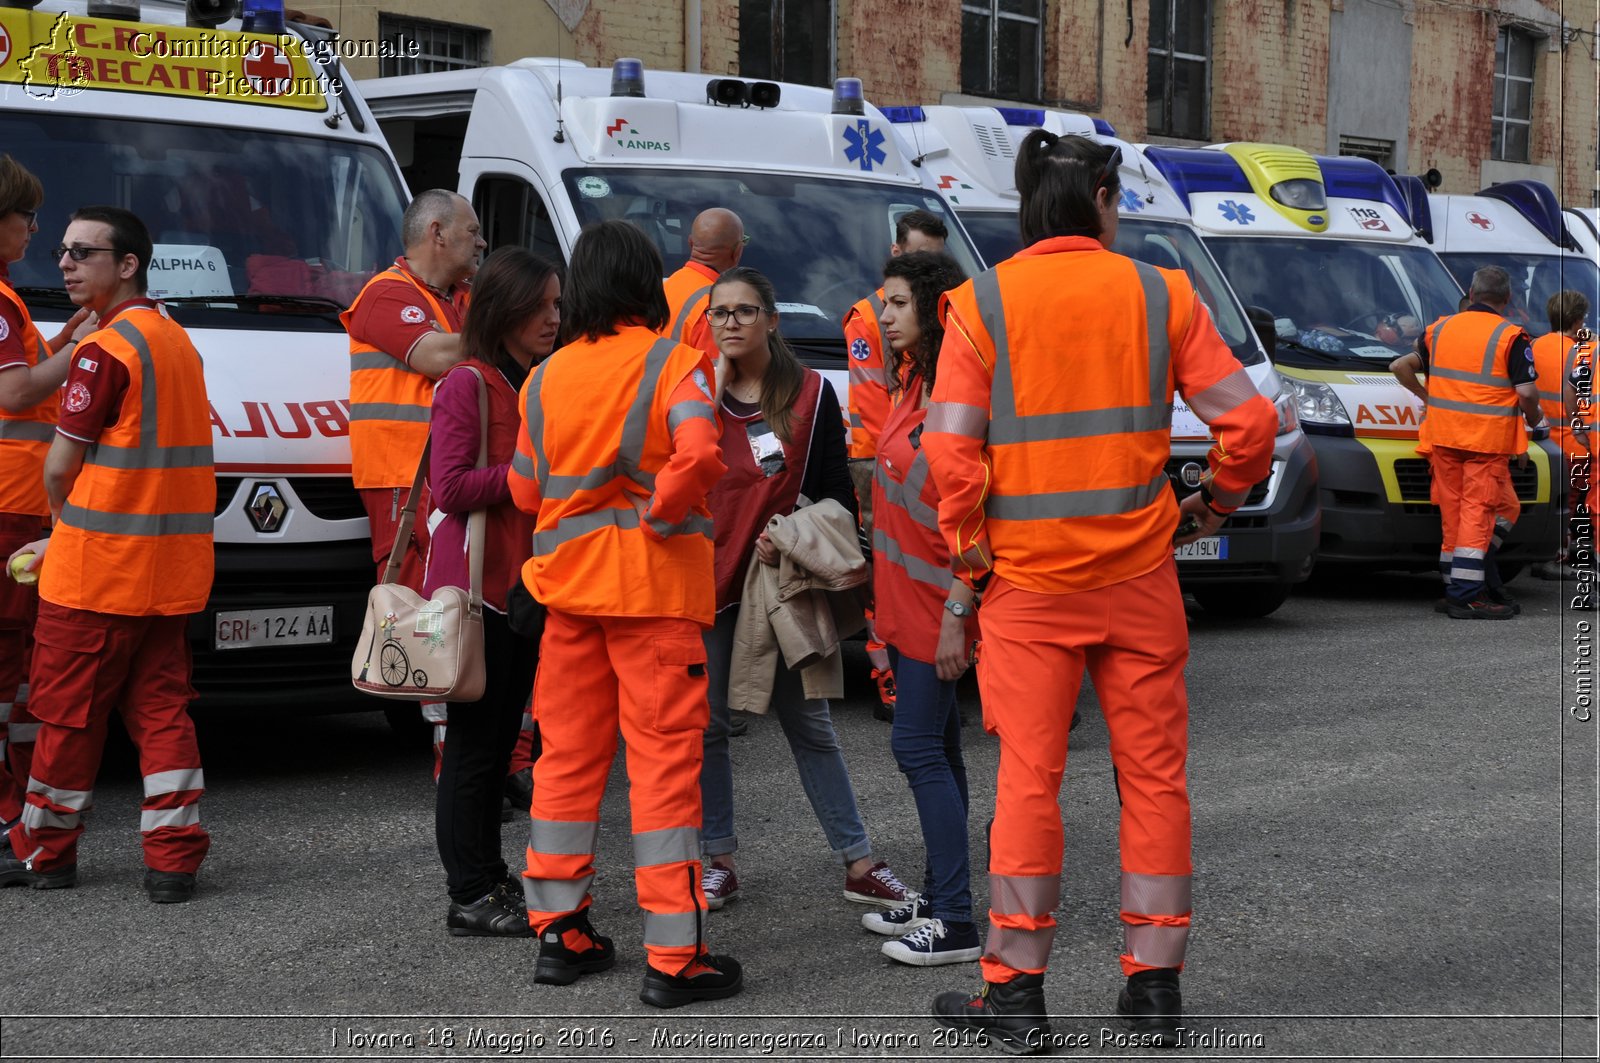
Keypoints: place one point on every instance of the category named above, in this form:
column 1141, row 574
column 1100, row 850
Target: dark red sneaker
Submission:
column 1480, row 608
column 879, row 886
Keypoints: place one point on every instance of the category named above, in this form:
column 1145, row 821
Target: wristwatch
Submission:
column 960, row 609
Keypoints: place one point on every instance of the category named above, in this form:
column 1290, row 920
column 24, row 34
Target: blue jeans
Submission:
column 926, row 742
column 809, row 729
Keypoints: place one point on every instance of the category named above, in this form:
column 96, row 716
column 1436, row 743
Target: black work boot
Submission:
column 169, row 887
column 706, row 977
column 569, row 947
column 1152, row 1007
column 1011, row 1014
column 14, row 872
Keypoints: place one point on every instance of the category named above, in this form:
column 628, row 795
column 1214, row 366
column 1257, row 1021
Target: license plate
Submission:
column 1211, row 548
column 293, row 626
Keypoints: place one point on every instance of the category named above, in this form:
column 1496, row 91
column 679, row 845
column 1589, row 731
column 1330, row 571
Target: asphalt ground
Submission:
column 1395, row 838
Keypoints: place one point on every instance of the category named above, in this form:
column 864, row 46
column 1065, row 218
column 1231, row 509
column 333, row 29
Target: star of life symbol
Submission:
column 1131, row 201
column 859, row 349
column 864, row 145
column 412, row 315
column 1238, row 212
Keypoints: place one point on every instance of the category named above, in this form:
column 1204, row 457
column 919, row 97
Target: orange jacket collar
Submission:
column 1052, row 244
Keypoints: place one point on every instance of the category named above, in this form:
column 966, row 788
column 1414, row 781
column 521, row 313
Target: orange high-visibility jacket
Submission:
column 1472, row 404
column 1553, row 358
column 26, row 436
column 605, row 423
column 869, row 374
column 688, row 295
column 1048, row 433
column 135, row 532
column 391, row 403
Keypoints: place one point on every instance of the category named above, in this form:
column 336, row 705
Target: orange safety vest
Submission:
column 391, row 403
column 688, row 295
column 1553, row 358
column 1472, row 404
column 868, row 348
column 604, row 449
column 135, row 533
column 1080, row 412
column 26, row 436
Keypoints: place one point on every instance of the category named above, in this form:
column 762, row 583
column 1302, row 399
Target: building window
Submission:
column 1513, row 95
column 421, row 47
column 1002, row 48
column 787, row 40
column 1178, row 92
column 1379, row 151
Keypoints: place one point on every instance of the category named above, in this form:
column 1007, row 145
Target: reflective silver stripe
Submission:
column 688, row 411
column 22, row 694
column 137, row 523
column 581, row 524
column 556, row 837
column 36, row 816
column 1490, row 348
column 31, row 431
column 555, row 894
column 855, row 421
column 671, row 930
column 1006, row 425
column 522, row 464
column 1446, row 373
column 389, row 411
column 1156, row 946
column 915, row 567
column 693, row 524
column 146, row 457
column 23, row 733
column 1221, row 398
column 1156, row 894
column 1472, row 407
column 156, row 818
column 908, row 496
column 2, row 750
column 379, row 360
column 1024, row 950
column 527, row 721
column 1485, row 375
column 1054, row 505
column 435, row 711
column 1550, row 396
column 1470, row 551
column 670, row 845
column 1034, row 895
column 78, row 800
column 5, row 712
column 1232, row 499
column 957, row 419
column 176, row 781
column 684, row 312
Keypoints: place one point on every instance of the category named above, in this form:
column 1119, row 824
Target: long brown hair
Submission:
column 505, row 293
column 780, row 387
column 929, row 275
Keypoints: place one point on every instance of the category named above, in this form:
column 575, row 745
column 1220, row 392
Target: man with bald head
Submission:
column 716, row 240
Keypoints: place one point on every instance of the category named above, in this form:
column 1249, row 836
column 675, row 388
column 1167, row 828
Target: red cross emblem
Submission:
column 5, row 46
column 267, row 69
column 1480, row 221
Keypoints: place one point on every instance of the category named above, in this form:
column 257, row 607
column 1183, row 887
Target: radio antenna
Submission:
column 561, row 136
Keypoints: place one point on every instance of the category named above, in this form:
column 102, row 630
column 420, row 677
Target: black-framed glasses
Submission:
column 1109, row 170
column 744, row 315
column 78, row 254
column 31, row 215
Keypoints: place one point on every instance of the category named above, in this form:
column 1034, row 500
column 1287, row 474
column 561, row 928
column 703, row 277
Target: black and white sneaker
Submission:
column 934, row 943
column 898, row 921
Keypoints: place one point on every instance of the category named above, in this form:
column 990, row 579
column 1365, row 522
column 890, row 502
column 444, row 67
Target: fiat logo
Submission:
column 266, row 507
column 1191, row 474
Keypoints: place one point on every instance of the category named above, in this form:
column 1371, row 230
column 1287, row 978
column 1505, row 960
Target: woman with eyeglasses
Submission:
column 1047, row 438
column 782, row 437
column 32, row 371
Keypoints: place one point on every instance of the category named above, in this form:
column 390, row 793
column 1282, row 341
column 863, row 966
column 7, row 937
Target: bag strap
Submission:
column 402, row 531
column 478, row 518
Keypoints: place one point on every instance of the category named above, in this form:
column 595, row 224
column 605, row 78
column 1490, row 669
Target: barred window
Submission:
column 420, row 46
column 1002, row 48
column 1178, row 89
column 787, row 40
column 1513, row 95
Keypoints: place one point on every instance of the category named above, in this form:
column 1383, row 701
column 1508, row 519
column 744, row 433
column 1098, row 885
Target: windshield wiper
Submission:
column 1296, row 345
column 309, row 304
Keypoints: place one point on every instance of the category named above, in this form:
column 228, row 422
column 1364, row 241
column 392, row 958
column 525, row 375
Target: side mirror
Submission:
column 1264, row 323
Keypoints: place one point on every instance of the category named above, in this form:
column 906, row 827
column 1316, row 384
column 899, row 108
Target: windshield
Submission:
column 1171, row 245
column 822, row 241
column 1339, row 300
column 1534, row 279
column 232, row 212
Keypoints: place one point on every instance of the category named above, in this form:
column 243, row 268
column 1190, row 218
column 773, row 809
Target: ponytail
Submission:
column 1058, row 178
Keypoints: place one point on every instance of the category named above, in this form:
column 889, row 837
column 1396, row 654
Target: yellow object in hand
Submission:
column 19, row 569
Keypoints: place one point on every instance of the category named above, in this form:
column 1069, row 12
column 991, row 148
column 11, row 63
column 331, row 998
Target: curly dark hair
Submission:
column 929, row 275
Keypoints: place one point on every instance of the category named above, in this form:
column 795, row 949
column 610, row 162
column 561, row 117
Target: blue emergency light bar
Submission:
column 627, row 77
column 1349, row 177
column 904, row 115
column 1535, row 201
column 1022, row 115
column 1103, row 127
column 262, row 16
column 1414, row 190
column 848, row 97
column 1190, row 170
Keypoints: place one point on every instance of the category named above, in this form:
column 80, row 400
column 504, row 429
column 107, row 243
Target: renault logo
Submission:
column 1192, row 473
column 266, row 507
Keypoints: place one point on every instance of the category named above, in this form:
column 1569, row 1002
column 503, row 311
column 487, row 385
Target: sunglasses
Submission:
column 1109, row 170
column 79, row 254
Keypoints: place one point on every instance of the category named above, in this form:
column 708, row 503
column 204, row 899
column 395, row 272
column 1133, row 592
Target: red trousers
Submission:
column 383, row 505
column 1477, row 507
column 647, row 677
column 1133, row 639
column 85, row 666
column 19, row 606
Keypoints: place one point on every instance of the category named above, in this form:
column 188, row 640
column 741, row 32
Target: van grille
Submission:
column 1415, row 478
column 327, row 497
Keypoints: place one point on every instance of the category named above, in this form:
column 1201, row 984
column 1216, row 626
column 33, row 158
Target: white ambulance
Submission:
column 1520, row 227
column 969, row 155
column 271, row 199
column 1583, row 223
column 1327, row 246
column 543, row 147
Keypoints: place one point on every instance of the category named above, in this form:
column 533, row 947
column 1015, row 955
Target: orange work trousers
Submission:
column 1134, row 640
column 647, row 677
column 1477, row 508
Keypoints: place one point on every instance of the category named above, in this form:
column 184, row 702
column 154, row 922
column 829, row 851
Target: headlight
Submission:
column 1284, row 403
column 1315, row 403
